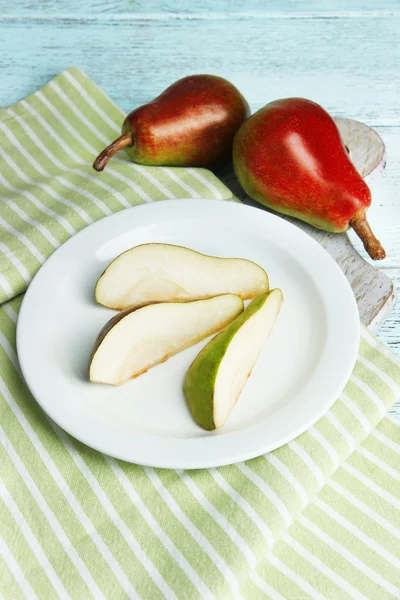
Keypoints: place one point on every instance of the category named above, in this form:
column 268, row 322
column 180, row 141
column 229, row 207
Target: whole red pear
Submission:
column 191, row 124
column 290, row 157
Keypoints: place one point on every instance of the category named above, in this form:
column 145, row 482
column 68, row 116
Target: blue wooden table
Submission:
column 347, row 59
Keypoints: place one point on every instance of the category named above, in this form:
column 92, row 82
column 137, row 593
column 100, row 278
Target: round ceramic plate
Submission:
column 303, row 368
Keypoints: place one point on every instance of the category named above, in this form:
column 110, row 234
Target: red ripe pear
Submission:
column 290, row 157
column 191, row 124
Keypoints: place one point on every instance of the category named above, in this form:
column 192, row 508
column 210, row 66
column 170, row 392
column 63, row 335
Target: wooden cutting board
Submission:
column 374, row 291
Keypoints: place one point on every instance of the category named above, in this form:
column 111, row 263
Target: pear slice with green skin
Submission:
column 137, row 339
column 158, row 272
column 218, row 374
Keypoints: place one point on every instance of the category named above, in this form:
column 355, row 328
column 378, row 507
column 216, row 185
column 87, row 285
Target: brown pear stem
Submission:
column 362, row 228
column 124, row 141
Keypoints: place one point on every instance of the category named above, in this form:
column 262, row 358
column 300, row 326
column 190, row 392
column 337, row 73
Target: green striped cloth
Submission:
column 317, row 518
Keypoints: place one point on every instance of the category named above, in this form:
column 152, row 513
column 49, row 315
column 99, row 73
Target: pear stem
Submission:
column 124, row 141
column 362, row 228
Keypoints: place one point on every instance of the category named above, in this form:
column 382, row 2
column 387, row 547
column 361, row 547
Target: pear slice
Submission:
column 218, row 374
column 136, row 339
column 167, row 273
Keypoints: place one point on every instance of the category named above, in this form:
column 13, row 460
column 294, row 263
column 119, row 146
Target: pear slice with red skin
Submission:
column 158, row 272
column 137, row 339
column 218, row 374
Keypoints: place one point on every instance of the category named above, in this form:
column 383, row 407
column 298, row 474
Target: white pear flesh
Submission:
column 219, row 372
column 158, row 272
column 137, row 339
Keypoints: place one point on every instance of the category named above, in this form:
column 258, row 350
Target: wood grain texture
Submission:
column 384, row 214
column 389, row 331
column 344, row 55
column 224, row 9
column 267, row 58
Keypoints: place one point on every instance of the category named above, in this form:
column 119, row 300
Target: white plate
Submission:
column 303, row 368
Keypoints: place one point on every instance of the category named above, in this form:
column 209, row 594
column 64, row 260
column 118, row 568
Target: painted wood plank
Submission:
column 384, row 213
column 324, row 59
column 389, row 333
column 224, row 8
column 390, row 330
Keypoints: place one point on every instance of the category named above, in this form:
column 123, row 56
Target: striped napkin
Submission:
column 317, row 518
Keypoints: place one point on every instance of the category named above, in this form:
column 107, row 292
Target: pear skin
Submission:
column 218, row 374
column 290, row 157
column 191, row 124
